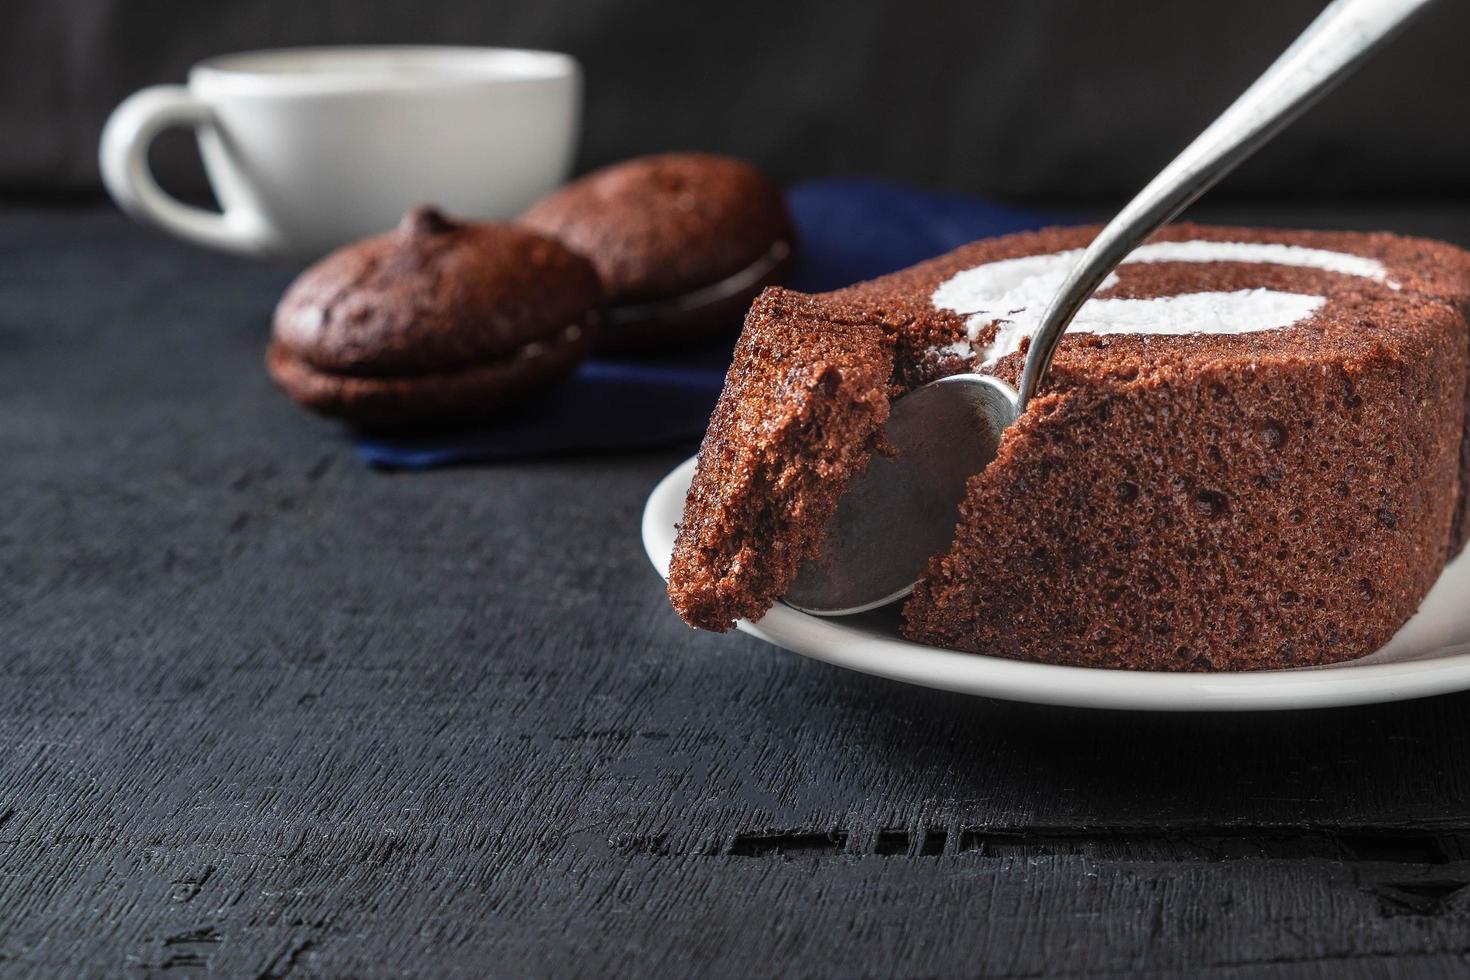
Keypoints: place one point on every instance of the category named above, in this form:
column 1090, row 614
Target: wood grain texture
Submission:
column 267, row 713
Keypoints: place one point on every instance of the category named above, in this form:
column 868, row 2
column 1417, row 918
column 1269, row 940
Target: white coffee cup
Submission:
column 310, row 148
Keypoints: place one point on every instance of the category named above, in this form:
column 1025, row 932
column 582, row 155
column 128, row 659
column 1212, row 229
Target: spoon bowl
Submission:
column 902, row 510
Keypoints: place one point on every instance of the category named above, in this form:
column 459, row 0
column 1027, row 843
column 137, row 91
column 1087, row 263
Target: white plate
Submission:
column 1430, row 655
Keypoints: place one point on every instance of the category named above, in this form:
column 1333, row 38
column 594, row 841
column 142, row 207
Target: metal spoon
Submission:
column 902, row 510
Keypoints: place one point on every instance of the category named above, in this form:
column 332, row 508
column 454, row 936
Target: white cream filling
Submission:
column 1013, row 294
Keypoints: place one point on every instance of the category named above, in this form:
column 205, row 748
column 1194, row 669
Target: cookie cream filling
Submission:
column 536, row 348
column 732, row 285
column 1013, row 294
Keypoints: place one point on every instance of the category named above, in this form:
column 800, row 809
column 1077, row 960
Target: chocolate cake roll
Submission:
column 1250, row 451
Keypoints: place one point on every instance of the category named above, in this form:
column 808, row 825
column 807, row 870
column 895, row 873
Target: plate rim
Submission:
column 982, row 675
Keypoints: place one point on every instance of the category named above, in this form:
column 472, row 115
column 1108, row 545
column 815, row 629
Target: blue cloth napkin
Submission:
column 849, row 230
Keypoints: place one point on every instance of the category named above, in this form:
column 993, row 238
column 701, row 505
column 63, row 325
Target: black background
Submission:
column 1049, row 99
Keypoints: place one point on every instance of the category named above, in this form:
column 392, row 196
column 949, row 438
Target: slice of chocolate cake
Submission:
column 1250, row 451
column 806, row 395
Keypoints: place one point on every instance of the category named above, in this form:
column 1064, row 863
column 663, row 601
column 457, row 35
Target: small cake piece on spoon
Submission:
column 683, row 243
column 434, row 324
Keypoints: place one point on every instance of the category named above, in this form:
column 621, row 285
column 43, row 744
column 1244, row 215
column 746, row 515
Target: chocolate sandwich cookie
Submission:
column 435, row 323
column 683, row 242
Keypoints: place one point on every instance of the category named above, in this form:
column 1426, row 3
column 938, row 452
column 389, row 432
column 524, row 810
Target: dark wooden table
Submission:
column 265, row 712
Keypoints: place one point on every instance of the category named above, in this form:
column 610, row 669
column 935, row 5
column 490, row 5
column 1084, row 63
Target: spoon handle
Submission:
column 1344, row 35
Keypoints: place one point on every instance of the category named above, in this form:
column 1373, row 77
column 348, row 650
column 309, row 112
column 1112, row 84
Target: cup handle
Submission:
column 123, row 158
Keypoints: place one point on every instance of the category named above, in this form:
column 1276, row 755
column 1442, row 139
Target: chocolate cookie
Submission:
column 683, row 242
column 435, row 323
